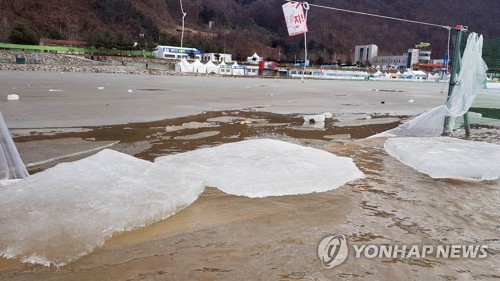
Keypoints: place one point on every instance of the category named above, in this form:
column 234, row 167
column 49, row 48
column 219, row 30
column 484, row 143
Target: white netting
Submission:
column 469, row 81
column 11, row 165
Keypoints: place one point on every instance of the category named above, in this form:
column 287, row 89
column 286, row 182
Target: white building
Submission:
column 387, row 62
column 407, row 60
column 171, row 52
column 363, row 53
column 213, row 57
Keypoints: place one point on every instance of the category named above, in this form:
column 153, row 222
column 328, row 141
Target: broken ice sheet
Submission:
column 444, row 157
column 63, row 213
column 264, row 167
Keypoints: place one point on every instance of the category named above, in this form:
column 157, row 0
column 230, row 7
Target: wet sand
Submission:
column 225, row 237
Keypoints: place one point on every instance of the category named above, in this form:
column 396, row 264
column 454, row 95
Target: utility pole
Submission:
column 453, row 81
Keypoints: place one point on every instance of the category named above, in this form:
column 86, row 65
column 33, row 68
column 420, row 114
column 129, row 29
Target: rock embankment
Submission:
column 91, row 64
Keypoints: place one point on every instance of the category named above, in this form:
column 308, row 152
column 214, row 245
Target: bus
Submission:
column 171, row 52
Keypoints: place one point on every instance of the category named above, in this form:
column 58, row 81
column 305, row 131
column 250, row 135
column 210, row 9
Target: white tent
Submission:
column 211, row 67
column 237, row 69
column 199, row 67
column 255, row 59
column 224, row 69
column 183, row 66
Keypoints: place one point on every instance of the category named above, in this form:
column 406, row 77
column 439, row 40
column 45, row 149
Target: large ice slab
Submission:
column 264, row 167
column 444, row 157
column 58, row 215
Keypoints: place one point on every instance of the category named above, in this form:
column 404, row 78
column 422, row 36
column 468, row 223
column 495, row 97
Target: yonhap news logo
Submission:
column 333, row 250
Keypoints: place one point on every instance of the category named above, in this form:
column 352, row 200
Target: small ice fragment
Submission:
column 314, row 118
column 130, row 91
column 54, row 90
column 12, row 97
column 100, row 88
column 201, row 135
column 411, row 100
column 327, row 115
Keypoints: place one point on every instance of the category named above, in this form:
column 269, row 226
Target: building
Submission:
column 364, row 53
column 391, row 62
column 412, row 57
column 171, row 52
column 217, row 57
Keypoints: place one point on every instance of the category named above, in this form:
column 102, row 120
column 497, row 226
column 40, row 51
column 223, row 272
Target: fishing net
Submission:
column 11, row 165
column 470, row 82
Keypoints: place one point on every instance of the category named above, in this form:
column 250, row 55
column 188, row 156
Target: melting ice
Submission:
column 444, row 157
column 264, row 167
column 63, row 213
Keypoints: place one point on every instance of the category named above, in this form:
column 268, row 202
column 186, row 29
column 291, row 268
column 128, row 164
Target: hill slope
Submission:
column 243, row 27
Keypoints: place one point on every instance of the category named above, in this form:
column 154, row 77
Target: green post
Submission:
column 467, row 124
column 453, row 78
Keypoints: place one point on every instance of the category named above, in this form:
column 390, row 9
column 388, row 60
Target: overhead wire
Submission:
column 379, row 16
column 307, row 5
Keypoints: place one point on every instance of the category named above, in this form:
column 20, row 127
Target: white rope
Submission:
column 183, row 16
column 447, row 61
column 306, row 7
column 379, row 16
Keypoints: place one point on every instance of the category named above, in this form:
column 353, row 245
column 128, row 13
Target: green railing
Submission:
column 75, row 50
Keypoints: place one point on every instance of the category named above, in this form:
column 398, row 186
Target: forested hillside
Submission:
column 242, row 27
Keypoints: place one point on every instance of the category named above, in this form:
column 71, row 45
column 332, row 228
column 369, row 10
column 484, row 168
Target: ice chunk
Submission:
column 201, row 135
column 314, row 121
column 12, row 97
column 327, row 115
column 191, row 125
column 264, row 167
column 320, row 118
column 233, row 119
column 64, row 212
column 443, row 157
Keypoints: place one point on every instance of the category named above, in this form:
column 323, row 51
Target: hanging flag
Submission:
column 295, row 19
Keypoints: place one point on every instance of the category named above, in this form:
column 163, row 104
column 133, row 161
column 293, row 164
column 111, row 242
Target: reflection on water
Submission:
column 228, row 237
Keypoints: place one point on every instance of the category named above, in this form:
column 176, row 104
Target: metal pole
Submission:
column 453, row 77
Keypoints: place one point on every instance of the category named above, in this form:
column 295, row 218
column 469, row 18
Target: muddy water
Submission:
column 225, row 237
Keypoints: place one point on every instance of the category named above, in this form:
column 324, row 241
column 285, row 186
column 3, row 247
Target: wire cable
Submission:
column 379, row 16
